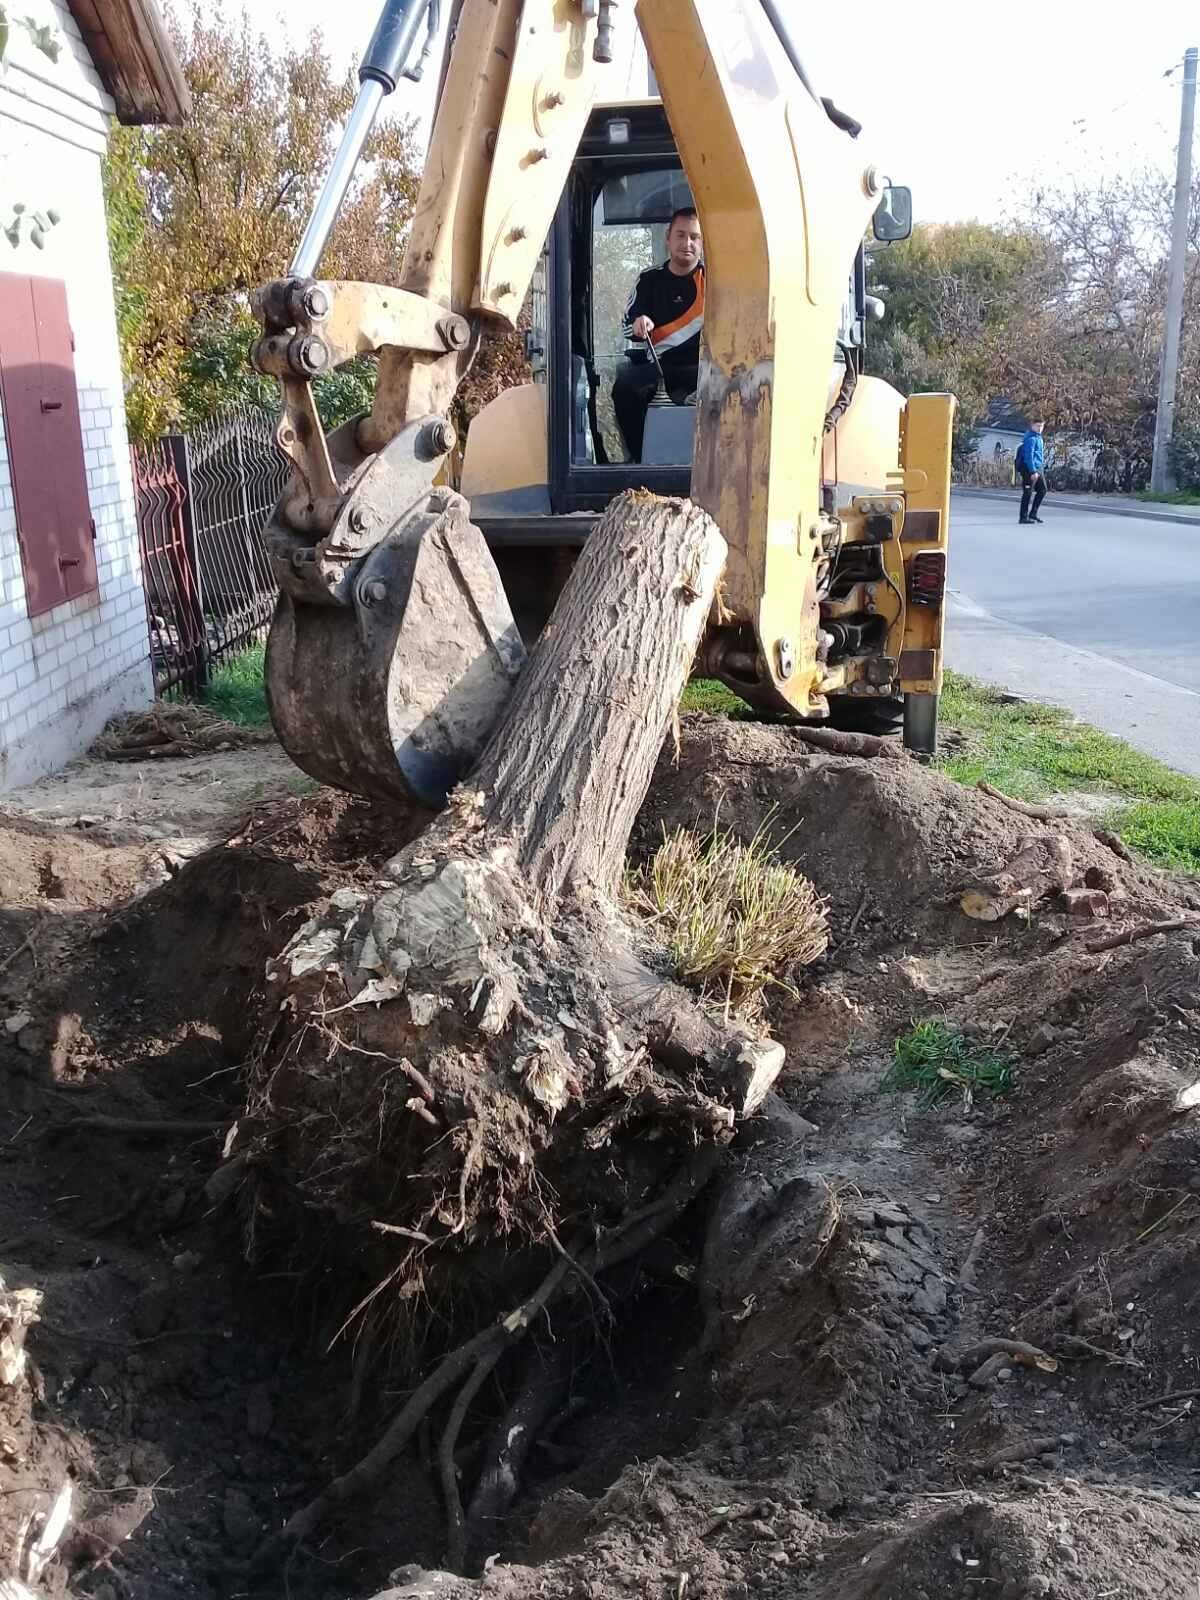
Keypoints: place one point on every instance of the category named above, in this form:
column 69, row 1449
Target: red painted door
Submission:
column 45, row 443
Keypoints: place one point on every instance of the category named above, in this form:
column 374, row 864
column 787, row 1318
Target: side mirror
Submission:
column 893, row 215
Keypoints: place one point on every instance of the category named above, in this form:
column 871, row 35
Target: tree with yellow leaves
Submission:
column 199, row 216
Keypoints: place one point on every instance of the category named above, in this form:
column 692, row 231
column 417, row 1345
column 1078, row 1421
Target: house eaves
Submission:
column 132, row 51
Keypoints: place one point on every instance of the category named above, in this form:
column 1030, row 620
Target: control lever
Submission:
column 661, row 397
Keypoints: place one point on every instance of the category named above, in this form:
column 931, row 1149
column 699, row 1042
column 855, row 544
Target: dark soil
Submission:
column 777, row 1409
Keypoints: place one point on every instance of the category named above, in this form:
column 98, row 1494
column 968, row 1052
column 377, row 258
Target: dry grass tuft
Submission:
column 736, row 920
column 173, row 728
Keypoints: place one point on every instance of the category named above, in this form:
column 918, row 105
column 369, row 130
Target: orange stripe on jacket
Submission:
column 693, row 314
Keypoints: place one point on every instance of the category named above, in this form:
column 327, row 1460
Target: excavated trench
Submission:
column 776, row 1397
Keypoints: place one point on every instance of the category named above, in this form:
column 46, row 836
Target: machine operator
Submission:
column 667, row 309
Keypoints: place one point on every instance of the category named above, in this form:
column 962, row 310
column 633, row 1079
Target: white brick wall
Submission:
column 62, row 675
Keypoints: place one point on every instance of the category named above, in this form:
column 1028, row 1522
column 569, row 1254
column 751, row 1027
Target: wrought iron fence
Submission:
column 202, row 501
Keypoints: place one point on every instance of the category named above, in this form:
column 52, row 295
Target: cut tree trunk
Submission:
column 477, row 1089
column 1042, row 866
column 568, row 769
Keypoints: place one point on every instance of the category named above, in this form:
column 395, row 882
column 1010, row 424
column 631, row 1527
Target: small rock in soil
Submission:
column 240, row 1520
column 929, row 1301
column 826, row 1495
column 150, row 1312
column 147, row 1463
column 1041, row 1039
column 260, row 1411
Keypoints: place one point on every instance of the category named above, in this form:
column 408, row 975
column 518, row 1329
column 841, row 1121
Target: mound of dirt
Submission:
column 42, row 868
column 796, row 1395
column 892, row 837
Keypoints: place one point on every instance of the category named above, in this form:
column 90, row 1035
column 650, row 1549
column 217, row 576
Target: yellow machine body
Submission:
column 784, row 195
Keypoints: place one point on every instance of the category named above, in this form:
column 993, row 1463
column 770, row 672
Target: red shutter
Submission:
column 45, row 444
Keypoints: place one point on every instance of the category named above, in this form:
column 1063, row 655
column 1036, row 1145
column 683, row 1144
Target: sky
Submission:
column 973, row 106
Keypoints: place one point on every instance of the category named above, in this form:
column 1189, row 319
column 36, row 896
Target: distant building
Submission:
column 1003, row 427
column 73, row 640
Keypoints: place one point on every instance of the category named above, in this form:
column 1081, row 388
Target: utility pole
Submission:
column 1162, row 479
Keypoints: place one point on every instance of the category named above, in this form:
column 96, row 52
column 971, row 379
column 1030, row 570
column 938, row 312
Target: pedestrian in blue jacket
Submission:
column 1031, row 463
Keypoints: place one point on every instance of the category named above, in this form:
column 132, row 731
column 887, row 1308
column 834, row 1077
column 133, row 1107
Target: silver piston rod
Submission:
column 384, row 64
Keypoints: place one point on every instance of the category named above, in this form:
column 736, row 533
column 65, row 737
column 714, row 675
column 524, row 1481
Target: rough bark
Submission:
column 569, row 767
column 480, row 1051
column 1042, row 866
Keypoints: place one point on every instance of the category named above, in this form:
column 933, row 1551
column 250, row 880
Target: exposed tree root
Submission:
column 474, row 1360
column 1024, row 808
column 836, row 742
column 507, row 1450
column 137, row 1127
column 1013, row 1350
column 456, row 1526
column 1144, row 930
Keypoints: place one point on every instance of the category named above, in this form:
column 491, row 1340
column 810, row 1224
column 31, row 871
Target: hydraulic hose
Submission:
column 784, row 33
column 840, row 119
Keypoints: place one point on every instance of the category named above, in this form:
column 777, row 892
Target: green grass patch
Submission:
column 1166, row 831
column 1176, row 497
column 1031, row 750
column 706, row 694
column 236, row 690
column 937, row 1062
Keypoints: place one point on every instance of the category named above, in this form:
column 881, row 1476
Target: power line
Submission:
column 1159, row 81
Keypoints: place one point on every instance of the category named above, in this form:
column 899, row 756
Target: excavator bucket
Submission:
column 393, row 689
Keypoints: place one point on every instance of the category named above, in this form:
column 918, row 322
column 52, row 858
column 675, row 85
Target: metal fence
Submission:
column 202, row 501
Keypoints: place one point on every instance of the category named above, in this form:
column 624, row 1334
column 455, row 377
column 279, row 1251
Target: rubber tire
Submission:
column 851, row 715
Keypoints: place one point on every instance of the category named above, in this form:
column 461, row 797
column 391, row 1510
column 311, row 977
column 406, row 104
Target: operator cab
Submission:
column 625, row 184
column 543, row 461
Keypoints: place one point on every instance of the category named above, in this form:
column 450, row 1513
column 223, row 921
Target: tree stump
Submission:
column 478, row 1078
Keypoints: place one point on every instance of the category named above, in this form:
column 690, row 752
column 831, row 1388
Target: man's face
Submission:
column 685, row 244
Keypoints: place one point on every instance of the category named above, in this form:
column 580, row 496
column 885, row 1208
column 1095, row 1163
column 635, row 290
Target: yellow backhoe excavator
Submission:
column 396, row 639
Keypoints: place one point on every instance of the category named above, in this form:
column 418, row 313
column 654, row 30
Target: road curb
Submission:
column 1145, row 509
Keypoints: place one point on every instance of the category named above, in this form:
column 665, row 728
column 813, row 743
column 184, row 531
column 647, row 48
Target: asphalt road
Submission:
column 1097, row 613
